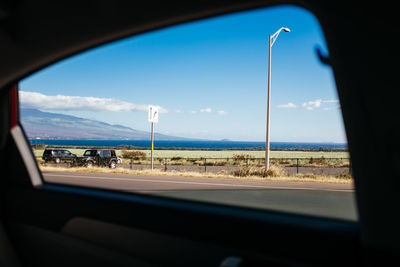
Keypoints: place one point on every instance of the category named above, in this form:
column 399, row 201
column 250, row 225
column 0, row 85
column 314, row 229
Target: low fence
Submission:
column 292, row 166
column 322, row 166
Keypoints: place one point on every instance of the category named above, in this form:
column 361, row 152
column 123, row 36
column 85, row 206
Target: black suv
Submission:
column 98, row 157
column 58, row 156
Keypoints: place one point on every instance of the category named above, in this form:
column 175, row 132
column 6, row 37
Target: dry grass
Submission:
column 274, row 174
column 273, row 171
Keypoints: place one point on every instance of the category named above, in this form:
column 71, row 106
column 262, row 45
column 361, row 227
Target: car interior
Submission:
column 45, row 224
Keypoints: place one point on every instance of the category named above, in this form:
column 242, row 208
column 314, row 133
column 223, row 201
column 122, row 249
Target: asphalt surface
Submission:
column 318, row 199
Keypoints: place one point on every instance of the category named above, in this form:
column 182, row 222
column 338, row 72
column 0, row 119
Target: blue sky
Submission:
column 209, row 77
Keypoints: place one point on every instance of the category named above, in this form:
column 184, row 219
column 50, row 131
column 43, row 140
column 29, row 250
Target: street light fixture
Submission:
column 272, row 39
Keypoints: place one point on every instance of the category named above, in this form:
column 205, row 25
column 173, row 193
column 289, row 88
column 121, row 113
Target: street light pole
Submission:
column 271, row 41
column 268, row 104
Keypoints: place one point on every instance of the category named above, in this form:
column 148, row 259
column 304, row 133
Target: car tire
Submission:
column 113, row 164
column 73, row 163
column 89, row 164
column 58, row 160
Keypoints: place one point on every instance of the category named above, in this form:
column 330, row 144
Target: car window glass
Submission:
column 199, row 90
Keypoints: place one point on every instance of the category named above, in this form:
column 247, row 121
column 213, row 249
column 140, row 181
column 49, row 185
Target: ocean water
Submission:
column 190, row 144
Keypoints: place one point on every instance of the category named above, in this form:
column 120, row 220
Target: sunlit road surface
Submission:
column 320, row 199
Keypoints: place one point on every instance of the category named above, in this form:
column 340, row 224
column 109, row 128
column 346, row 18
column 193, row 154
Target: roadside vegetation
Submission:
column 273, row 175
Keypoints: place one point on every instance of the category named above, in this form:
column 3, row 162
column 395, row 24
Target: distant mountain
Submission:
column 46, row 125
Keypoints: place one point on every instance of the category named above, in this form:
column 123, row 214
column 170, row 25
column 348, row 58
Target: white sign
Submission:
column 153, row 114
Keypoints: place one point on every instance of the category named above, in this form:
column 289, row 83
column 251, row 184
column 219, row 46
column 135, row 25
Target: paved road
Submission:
column 321, row 199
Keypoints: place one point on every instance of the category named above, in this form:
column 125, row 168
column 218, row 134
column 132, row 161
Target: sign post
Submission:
column 153, row 118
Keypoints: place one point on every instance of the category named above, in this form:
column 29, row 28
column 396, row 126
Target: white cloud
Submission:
column 331, row 101
column 63, row 102
column 222, row 112
column 311, row 105
column 205, row 110
column 288, row 105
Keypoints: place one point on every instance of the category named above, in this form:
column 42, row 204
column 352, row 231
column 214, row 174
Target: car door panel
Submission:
column 113, row 216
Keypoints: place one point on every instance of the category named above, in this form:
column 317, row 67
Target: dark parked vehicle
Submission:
column 98, row 157
column 58, row 156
